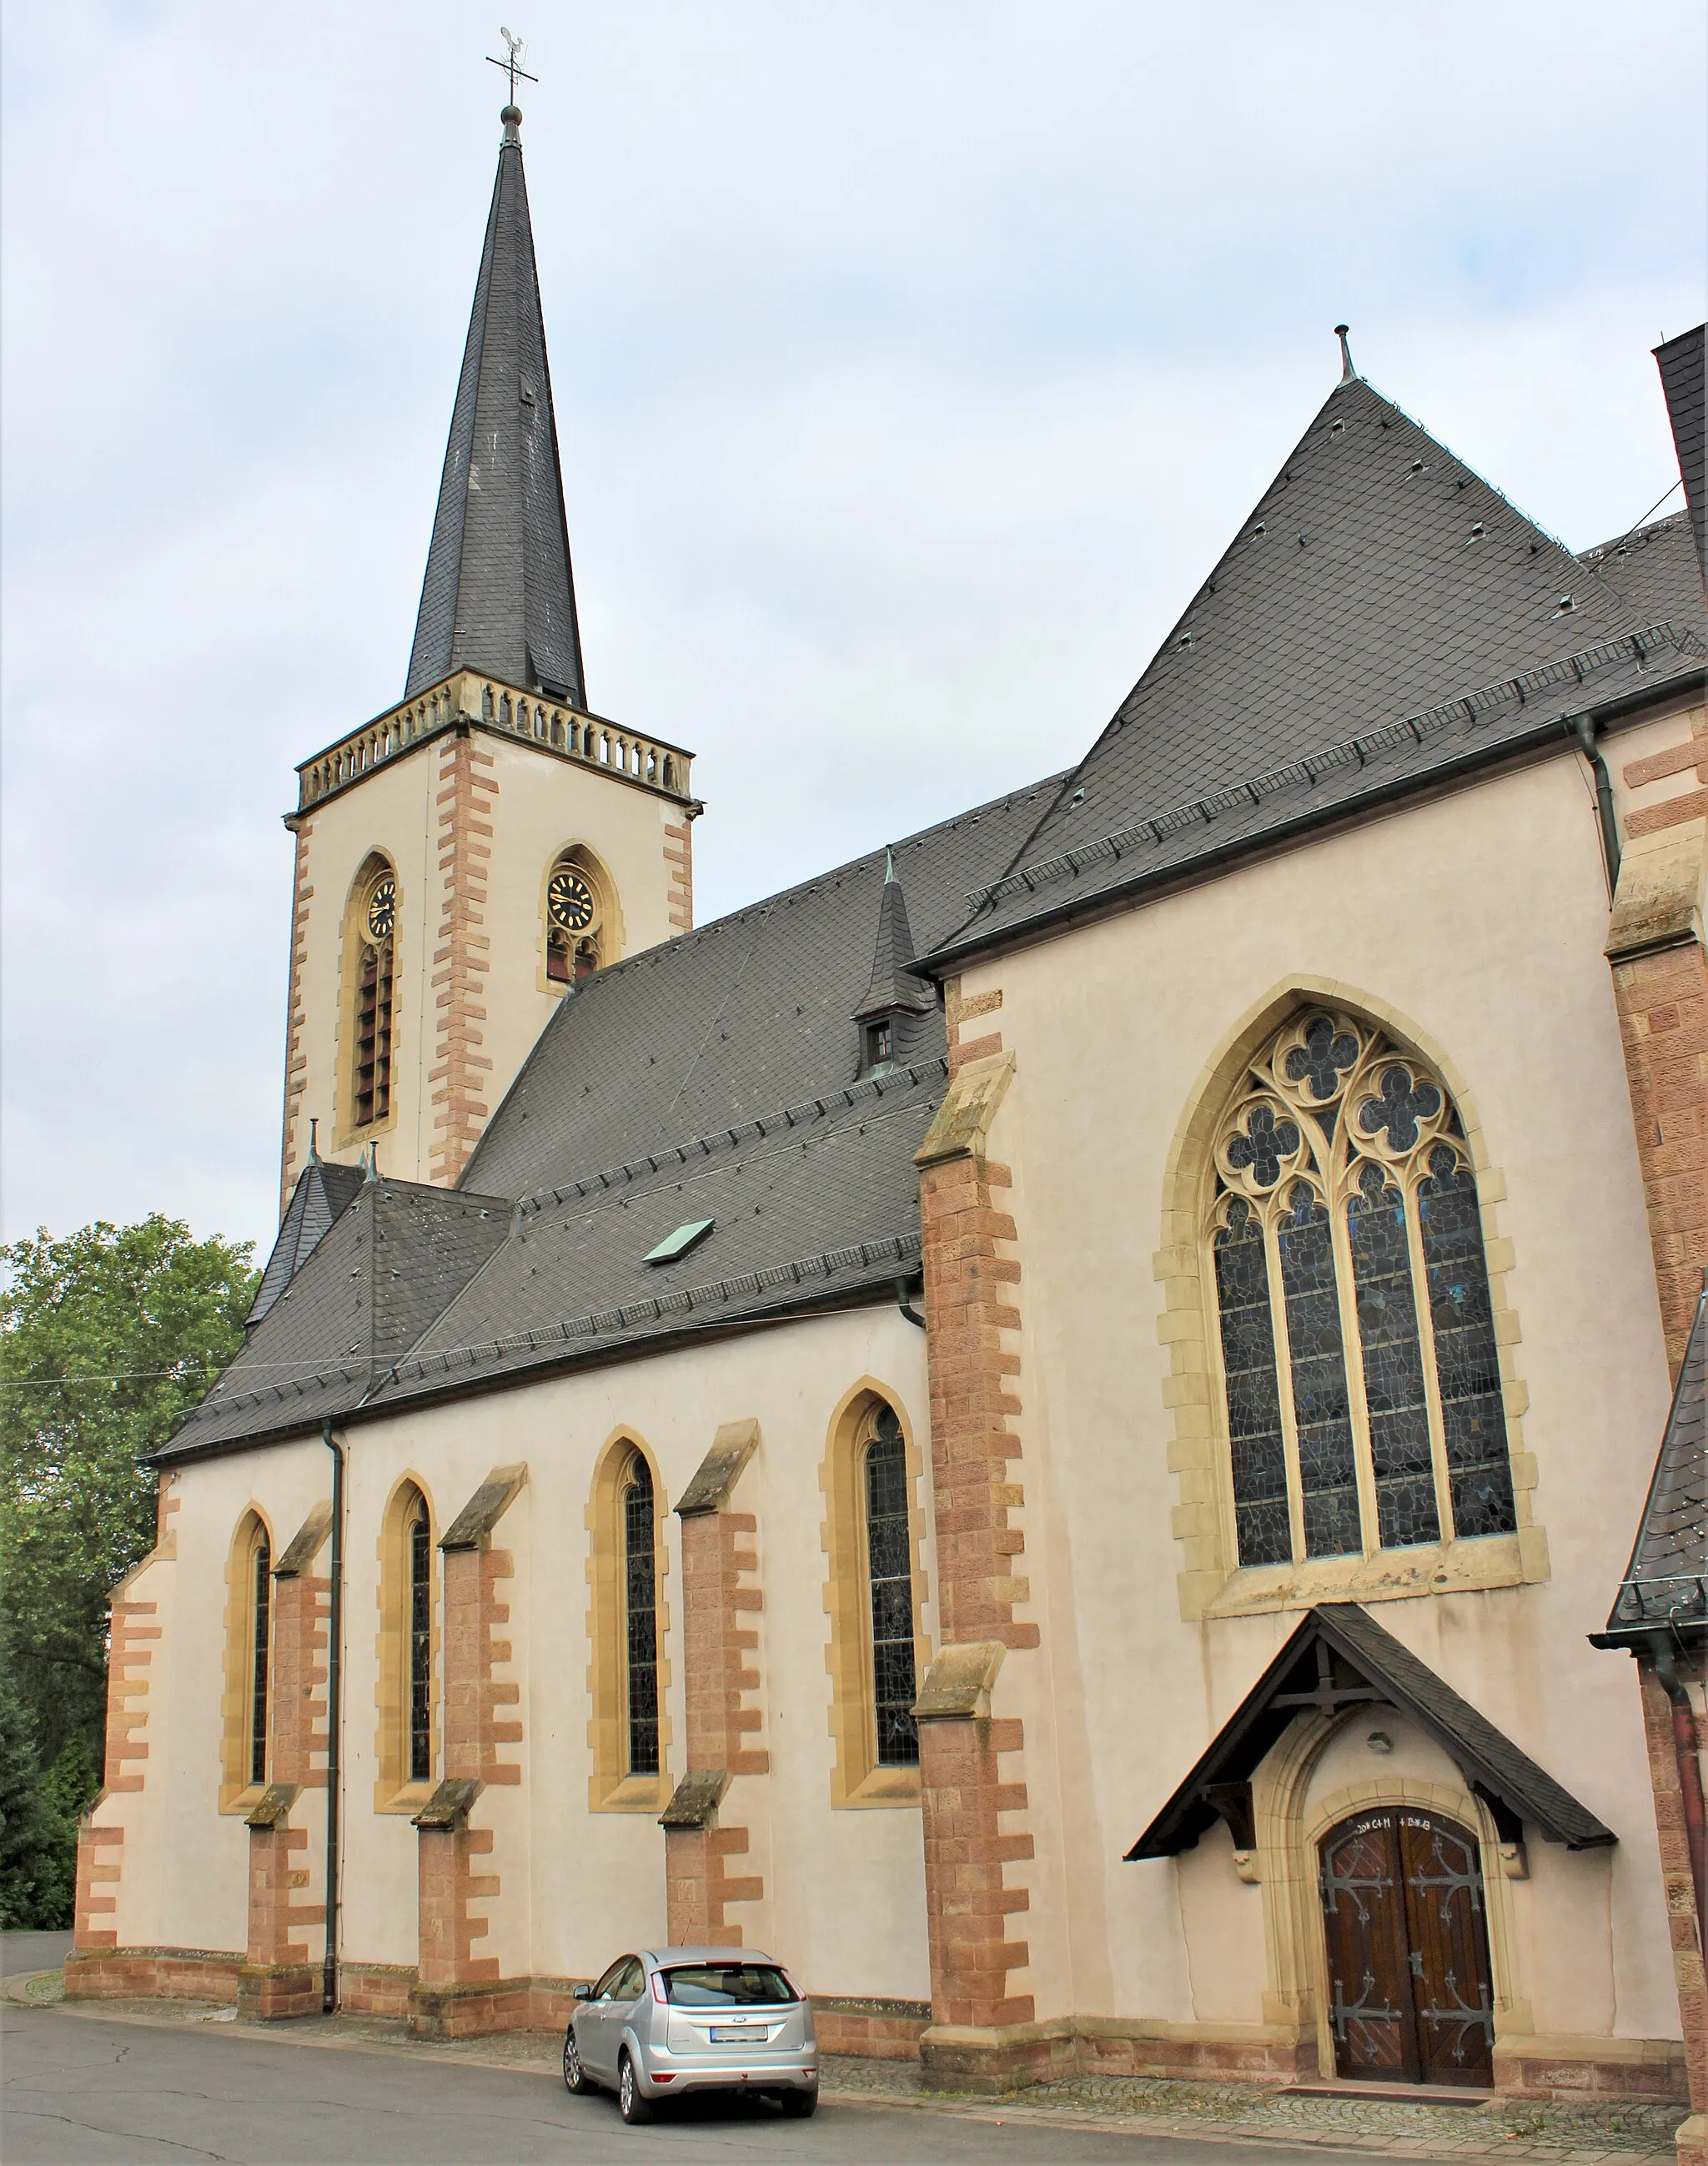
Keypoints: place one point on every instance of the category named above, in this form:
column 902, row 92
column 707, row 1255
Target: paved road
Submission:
column 26, row 1951
column 87, row 2091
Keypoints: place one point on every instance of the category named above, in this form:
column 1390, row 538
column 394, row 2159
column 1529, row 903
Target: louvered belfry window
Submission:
column 420, row 1645
column 1361, row 1374
column 890, row 1579
column 372, row 1077
column 640, row 1619
column 261, row 1618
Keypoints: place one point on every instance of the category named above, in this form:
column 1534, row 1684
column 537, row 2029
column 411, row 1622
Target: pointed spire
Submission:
column 892, row 988
column 1348, row 373
column 499, row 596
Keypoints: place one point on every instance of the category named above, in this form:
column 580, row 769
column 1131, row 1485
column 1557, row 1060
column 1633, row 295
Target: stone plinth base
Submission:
column 1592, row 2068
column 1231, row 2052
column 1692, row 2140
column 871, row 2030
column 270, row 1992
column 152, row 1974
column 993, row 2061
column 468, row 2010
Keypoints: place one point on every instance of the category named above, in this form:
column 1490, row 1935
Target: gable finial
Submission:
column 314, row 1140
column 1348, row 373
column 889, row 867
column 512, row 66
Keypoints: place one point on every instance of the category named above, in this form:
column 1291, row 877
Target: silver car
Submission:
column 668, row 2020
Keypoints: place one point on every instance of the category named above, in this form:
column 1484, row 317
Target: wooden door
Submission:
column 1408, row 1948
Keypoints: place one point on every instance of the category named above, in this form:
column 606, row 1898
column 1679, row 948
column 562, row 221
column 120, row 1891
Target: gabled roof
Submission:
column 1340, row 1657
column 376, row 1280
column 1681, row 362
column 1665, row 1587
column 499, row 596
column 1655, row 567
column 1382, row 617
column 324, row 1190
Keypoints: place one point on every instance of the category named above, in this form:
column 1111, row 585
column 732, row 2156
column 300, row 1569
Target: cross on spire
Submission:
column 512, row 66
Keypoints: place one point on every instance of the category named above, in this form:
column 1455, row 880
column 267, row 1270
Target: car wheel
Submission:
column 633, row 2108
column 575, row 2077
column 800, row 2105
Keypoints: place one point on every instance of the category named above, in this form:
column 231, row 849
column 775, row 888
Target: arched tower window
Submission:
column 371, row 941
column 576, row 918
column 640, row 1619
column 889, row 1561
column 260, row 1645
column 1361, row 1377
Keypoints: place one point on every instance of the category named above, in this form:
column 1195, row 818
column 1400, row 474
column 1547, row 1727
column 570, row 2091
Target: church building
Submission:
column 1038, row 1425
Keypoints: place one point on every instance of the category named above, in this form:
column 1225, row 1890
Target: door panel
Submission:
column 1409, row 1992
column 1448, row 1932
column 1370, row 1999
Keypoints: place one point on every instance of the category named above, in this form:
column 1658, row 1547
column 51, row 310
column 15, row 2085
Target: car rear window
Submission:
column 727, row 1985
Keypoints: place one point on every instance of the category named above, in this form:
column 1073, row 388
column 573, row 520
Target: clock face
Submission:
column 569, row 901
column 382, row 908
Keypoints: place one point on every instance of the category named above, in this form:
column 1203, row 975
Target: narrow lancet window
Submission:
column 890, row 1579
column 261, row 1618
column 1361, row 1374
column 372, row 1020
column 420, row 1645
column 641, row 1619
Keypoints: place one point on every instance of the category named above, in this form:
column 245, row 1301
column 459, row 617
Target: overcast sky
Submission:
column 914, row 361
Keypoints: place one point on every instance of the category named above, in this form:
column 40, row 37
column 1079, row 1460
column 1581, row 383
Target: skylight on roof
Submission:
column 685, row 1237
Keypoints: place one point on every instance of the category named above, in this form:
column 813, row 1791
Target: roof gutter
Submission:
column 1509, row 751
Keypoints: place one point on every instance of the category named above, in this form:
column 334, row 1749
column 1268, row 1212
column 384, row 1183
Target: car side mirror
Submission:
column 583, row 1993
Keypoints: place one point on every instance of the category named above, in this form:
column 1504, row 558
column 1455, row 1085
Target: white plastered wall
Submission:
column 1481, row 919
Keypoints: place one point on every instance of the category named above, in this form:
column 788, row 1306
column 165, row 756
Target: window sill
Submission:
column 633, row 1793
column 882, row 1786
column 240, row 1801
column 410, row 1799
column 1515, row 1560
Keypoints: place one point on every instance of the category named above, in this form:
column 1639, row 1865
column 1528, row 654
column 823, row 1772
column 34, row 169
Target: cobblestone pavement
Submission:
column 1621, row 2133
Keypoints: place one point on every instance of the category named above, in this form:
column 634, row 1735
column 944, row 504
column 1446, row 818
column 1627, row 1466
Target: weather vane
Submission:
column 513, row 66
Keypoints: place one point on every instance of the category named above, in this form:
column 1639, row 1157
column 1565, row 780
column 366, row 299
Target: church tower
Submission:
column 464, row 857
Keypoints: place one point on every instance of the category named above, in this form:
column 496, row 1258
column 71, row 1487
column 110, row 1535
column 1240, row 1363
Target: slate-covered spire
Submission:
column 893, row 989
column 499, row 596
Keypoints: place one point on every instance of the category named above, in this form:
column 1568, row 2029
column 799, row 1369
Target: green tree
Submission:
column 107, row 1337
column 26, row 1841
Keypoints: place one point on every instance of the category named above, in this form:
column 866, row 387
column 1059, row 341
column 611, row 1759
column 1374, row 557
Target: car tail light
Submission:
column 659, row 2079
column 658, row 1988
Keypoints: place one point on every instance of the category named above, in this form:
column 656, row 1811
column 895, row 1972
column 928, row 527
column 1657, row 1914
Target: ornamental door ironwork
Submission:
column 1410, row 1999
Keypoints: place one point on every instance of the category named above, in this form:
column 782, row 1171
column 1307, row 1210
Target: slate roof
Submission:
column 1383, row 618
column 1665, row 1587
column 1655, row 567
column 717, row 1076
column 1338, row 1656
column 323, row 1193
column 1681, row 362
column 499, row 596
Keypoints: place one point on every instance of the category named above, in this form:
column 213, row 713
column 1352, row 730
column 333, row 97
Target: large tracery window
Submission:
column 1363, row 1380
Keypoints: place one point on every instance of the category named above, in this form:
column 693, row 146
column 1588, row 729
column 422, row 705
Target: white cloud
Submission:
column 912, row 363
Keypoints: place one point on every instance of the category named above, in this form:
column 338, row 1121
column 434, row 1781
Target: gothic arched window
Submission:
column 372, row 940
column 260, row 1644
column 420, row 1652
column 575, row 919
column 889, row 1558
column 640, row 1619
column 1361, row 1374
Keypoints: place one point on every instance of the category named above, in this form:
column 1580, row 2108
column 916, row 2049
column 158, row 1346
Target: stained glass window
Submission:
column 889, row 1572
column 421, row 1645
column 1254, row 1395
column 1360, row 1372
column 261, row 1614
column 641, row 1614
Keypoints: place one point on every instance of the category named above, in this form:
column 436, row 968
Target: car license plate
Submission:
column 723, row 2034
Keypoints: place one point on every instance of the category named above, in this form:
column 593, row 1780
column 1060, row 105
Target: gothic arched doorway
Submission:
column 1410, row 1995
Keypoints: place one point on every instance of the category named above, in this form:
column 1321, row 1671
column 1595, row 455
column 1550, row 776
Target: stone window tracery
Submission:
column 1360, row 1371
column 640, row 1619
column 890, row 1592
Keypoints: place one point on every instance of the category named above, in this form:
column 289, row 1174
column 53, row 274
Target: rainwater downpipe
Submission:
column 905, row 1306
column 1685, row 1751
column 335, row 1721
column 1604, row 800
